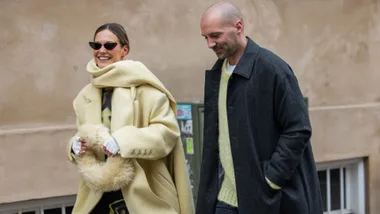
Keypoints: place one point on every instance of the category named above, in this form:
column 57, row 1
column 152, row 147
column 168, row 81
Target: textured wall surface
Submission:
column 332, row 45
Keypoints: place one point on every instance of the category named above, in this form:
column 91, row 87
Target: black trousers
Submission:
column 111, row 202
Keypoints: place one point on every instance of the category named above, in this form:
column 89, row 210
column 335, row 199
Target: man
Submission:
column 257, row 158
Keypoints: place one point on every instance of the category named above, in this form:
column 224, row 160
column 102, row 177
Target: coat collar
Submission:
column 246, row 62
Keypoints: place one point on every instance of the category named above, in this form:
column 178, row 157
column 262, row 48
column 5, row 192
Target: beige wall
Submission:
column 332, row 46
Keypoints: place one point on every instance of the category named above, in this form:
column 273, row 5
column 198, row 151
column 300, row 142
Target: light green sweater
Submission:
column 227, row 192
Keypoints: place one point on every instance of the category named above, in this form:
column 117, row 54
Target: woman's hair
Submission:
column 118, row 30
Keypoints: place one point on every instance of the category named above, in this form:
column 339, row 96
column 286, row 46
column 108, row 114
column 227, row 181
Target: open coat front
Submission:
column 269, row 133
column 145, row 126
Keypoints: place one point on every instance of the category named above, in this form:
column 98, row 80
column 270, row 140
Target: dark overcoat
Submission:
column 269, row 131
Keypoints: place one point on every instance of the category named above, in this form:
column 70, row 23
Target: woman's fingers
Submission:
column 82, row 140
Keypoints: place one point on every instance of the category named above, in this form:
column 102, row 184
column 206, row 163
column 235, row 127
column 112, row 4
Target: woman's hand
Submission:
column 79, row 146
column 111, row 147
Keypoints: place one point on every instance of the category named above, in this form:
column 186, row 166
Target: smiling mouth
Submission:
column 218, row 50
column 104, row 57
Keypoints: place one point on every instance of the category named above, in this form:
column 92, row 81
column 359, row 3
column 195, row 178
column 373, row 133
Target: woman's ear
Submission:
column 125, row 51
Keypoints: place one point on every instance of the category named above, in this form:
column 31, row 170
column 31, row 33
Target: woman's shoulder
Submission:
column 86, row 91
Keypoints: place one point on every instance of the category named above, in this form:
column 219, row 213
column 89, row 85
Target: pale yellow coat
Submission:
column 144, row 125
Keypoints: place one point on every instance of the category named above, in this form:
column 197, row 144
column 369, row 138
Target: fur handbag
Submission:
column 111, row 175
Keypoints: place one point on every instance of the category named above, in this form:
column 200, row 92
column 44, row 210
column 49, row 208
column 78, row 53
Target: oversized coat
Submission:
column 145, row 126
column 269, row 131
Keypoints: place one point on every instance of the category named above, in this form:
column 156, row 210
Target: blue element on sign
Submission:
column 184, row 112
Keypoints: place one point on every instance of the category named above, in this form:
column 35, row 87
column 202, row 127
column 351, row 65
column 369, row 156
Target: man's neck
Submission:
column 233, row 60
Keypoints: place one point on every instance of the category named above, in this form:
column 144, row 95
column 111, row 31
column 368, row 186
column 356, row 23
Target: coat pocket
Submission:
column 146, row 189
column 168, row 184
column 272, row 198
column 165, row 190
column 266, row 185
column 294, row 199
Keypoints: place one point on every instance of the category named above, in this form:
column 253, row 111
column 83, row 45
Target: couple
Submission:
column 257, row 157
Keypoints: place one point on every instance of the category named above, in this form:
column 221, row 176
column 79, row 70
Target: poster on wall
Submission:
column 184, row 112
column 185, row 122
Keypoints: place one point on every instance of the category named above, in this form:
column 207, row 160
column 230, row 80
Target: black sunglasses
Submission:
column 96, row 45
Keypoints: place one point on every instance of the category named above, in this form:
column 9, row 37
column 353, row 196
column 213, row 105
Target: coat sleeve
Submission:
column 70, row 144
column 292, row 119
column 71, row 141
column 154, row 141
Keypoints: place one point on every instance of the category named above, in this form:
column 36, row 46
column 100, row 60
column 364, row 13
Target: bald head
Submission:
column 222, row 27
column 224, row 11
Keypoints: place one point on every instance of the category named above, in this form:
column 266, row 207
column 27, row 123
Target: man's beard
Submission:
column 226, row 51
column 221, row 56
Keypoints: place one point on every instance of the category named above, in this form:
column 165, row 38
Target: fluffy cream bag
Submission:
column 111, row 175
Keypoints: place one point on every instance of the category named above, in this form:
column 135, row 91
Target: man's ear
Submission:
column 239, row 26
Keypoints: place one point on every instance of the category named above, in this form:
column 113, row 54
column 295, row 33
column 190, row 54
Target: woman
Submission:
column 127, row 148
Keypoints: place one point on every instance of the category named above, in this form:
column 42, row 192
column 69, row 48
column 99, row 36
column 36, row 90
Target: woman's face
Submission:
column 104, row 57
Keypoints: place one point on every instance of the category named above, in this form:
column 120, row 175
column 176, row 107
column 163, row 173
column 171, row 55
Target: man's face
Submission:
column 221, row 37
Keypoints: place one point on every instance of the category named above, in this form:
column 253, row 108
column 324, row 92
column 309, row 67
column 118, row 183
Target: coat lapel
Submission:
column 212, row 81
column 211, row 107
column 122, row 107
column 93, row 106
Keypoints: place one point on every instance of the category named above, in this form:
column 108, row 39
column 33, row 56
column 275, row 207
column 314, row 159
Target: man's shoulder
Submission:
column 269, row 61
column 261, row 56
column 268, row 57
